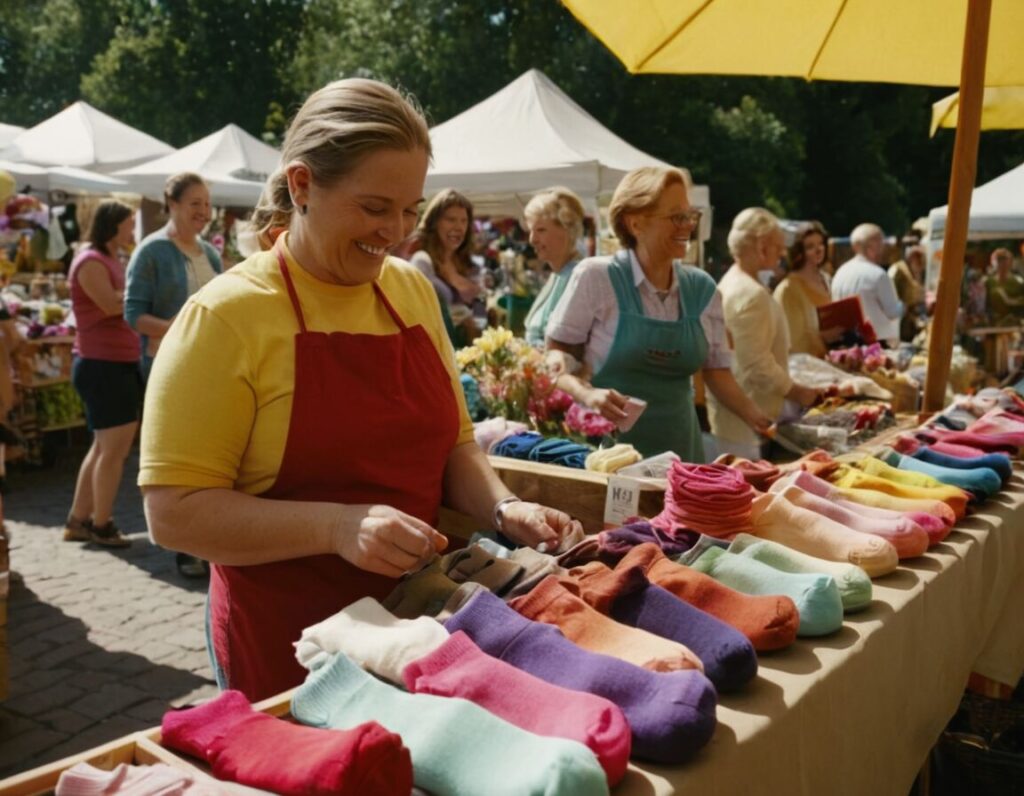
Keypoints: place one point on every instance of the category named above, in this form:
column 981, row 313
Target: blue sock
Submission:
column 953, row 424
column 999, row 462
column 979, row 481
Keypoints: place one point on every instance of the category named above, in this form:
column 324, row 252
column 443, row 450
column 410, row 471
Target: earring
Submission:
column 303, row 209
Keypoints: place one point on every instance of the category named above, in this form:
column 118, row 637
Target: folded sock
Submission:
column 909, row 538
column 710, row 498
column 477, row 564
column 999, row 462
column 816, row 595
column 671, row 714
column 83, row 779
column 265, row 752
column 870, row 473
column 535, row 568
column 759, row 474
column 628, row 597
column 985, row 438
column 817, row 462
column 373, row 637
column 457, row 748
column 769, row 622
column 615, row 543
column 422, row 593
column 853, row 582
column 613, row 459
column 552, row 603
column 981, row 482
column 458, row 668
column 777, row 519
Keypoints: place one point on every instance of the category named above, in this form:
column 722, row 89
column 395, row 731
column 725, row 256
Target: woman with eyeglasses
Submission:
column 758, row 331
column 640, row 324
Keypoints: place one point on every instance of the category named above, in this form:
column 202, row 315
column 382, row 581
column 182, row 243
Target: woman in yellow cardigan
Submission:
column 805, row 288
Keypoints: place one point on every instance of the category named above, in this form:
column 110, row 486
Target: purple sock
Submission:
column 671, row 714
column 619, row 541
column 628, row 597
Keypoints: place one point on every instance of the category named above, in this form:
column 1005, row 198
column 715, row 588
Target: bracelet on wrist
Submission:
column 498, row 512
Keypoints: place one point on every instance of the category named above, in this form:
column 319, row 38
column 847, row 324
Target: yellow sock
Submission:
column 851, row 478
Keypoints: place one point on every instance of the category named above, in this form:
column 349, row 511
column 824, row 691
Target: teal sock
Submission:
column 853, row 582
column 816, row 596
column 458, row 748
column 982, row 482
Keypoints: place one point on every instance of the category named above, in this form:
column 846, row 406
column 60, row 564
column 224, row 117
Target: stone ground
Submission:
column 101, row 642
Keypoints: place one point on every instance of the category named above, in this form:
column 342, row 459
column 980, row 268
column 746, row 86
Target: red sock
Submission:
column 261, row 751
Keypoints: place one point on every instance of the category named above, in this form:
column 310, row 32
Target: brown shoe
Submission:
column 108, row 535
column 76, row 530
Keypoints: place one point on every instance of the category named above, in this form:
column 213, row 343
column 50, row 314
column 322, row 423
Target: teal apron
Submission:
column 654, row 360
column 547, row 300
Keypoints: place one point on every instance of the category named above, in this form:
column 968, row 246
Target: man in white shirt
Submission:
column 865, row 276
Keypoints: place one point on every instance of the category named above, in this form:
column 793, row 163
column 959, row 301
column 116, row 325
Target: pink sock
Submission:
column 907, row 445
column 458, row 668
column 905, row 535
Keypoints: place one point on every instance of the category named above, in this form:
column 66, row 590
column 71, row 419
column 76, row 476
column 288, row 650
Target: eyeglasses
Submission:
column 691, row 218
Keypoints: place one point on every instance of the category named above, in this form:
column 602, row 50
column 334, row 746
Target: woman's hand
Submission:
column 758, row 421
column 533, row 524
column 388, row 541
column 610, row 403
column 803, row 395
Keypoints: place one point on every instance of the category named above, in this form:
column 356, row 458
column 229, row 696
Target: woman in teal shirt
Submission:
column 554, row 219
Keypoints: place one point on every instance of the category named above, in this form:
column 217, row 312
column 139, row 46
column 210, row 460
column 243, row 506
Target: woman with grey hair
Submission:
column 554, row 219
column 757, row 328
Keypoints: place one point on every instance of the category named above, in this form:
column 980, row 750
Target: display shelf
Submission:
column 77, row 423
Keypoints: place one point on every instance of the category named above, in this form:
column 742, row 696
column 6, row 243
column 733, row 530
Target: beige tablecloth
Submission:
column 857, row 712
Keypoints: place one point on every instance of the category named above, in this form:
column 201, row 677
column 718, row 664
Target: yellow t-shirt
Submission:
column 219, row 398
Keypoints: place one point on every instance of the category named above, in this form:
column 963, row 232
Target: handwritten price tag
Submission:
column 622, row 500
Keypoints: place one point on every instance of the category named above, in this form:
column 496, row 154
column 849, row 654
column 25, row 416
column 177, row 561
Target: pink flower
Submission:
column 588, row 422
column 559, row 401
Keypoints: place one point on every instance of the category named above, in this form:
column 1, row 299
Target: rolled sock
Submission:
column 459, row 668
column 423, row 593
column 853, row 582
column 979, row 481
column 671, row 714
column 769, row 622
column 262, row 751
column 876, row 475
column 909, row 538
column 373, row 637
column 999, row 462
column 456, row 746
column 553, row 604
column 777, row 519
column 816, row 596
column 83, row 779
column 710, row 498
column 613, row 459
column 628, row 597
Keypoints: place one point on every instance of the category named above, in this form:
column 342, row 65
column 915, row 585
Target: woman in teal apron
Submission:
column 642, row 324
column 555, row 220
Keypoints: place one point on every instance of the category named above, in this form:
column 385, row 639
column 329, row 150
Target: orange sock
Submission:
column 770, row 622
column 552, row 603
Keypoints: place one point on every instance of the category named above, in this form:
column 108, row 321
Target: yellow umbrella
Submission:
column 1002, row 108
column 970, row 43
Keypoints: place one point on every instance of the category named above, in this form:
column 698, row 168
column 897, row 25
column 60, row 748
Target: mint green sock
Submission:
column 853, row 582
column 816, row 596
column 458, row 748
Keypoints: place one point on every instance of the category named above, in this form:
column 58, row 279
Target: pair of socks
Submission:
column 628, row 597
column 711, row 498
column 999, row 462
column 769, row 622
column 83, row 779
column 981, row 482
column 872, row 478
column 816, row 596
column 777, row 519
column 458, row 668
column 251, row 748
column 552, row 603
column 455, row 745
column 909, row 538
column 853, row 582
column 671, row 714
column 371, row 636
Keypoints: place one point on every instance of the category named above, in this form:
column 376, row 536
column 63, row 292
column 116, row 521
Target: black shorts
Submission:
column 111, row 391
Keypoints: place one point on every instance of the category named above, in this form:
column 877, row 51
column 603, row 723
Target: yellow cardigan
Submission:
column 800, row 302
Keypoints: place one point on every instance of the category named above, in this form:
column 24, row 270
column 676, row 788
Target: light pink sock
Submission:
column 84, row 779
column 936, row 528
column 905, row 535
column 777, row 519
column 459, row 668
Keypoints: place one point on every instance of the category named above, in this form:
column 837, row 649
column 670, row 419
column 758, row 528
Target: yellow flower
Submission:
column 467, row 356
column 493, row 339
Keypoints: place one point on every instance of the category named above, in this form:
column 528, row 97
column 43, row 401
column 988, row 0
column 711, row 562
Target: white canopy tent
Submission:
column 81, row 136
column 529, row 136
column 997, row 209
column 8, row 132
column 43, row 179
column 234, row 164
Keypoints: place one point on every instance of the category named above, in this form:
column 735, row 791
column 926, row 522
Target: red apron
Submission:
column 374, row 418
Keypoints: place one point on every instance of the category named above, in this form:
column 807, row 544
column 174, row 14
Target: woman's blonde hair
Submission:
column 749, row 227
column 426, row 231
column 334, row 129
column 559, row 205
column 639, row 191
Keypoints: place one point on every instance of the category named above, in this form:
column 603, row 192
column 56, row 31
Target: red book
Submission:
column 846, row 314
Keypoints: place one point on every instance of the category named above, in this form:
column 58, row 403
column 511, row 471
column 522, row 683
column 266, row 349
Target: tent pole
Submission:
column 961, row 185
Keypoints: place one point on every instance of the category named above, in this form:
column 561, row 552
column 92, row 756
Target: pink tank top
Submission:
column 98, row 335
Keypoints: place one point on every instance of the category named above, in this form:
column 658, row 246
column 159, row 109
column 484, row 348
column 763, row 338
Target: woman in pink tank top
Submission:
column 106, row 374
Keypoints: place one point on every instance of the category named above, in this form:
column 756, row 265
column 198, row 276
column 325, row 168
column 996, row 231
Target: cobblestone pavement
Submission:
column 101, row 642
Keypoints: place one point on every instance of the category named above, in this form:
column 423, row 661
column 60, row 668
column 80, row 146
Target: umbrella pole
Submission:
column 961, row 186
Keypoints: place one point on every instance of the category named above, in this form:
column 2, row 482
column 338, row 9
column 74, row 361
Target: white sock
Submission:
column 371, row 636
